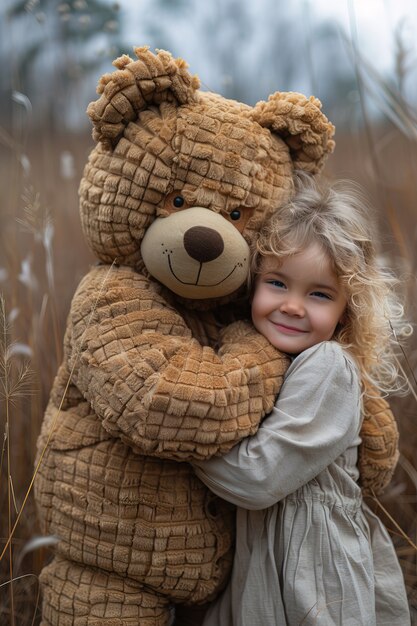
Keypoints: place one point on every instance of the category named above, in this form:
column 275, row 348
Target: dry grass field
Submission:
column 42, row 258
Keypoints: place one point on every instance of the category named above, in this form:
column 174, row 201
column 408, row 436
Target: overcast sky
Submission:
column 240, row 48
column 372, row 24
column 376, row 21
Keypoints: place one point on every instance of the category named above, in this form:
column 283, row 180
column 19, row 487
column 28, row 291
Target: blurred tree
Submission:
column 56, row 45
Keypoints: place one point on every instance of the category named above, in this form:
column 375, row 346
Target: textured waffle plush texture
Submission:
column 151, row 381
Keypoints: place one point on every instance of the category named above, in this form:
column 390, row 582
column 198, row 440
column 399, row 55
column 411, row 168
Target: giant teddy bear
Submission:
column 158, row 370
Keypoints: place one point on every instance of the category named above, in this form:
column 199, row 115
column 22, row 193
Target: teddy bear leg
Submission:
column 74, row 595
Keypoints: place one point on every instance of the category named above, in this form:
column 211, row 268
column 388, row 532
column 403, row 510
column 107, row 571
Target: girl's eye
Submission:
column 276, row 283
column 321, row 294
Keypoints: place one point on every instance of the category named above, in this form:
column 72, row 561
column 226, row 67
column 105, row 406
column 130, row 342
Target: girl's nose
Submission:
column 293, row 306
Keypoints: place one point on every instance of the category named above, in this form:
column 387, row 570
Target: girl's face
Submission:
column 298, row 301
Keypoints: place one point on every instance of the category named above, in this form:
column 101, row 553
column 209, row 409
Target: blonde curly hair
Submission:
column 337, row 217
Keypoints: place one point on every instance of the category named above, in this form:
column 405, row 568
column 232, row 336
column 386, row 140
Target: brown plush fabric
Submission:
column 151, row 380
column 378, row 454
column 82, row 596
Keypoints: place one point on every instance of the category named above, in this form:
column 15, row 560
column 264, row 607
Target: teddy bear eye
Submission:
column 178, row 202
column 235, row 215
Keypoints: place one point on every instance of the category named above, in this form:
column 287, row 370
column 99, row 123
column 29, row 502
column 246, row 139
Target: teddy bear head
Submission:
column 181, row 180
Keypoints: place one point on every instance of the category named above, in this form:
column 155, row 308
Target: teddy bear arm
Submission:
column 205, row 402
column 151, row 383
column 378, row 452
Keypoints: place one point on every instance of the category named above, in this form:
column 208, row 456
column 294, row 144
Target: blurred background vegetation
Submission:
column 52, row 54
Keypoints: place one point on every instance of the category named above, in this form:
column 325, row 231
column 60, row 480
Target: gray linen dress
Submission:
column 308, row 550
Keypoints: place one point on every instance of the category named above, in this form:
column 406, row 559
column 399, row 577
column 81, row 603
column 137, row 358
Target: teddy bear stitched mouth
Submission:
column 198, row 275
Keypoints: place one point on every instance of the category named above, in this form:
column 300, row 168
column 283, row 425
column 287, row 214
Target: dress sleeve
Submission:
column 315, row 419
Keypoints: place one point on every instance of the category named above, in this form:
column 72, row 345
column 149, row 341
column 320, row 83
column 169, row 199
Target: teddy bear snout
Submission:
column 197, row 253
column 203, row 244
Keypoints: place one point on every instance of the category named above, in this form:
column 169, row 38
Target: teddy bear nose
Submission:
column 203, row 244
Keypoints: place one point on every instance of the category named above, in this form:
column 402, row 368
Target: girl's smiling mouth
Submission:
column 288, row 330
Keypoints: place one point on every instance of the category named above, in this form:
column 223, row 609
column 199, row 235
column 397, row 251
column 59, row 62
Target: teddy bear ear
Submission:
column 300, row 122
column 135, row 85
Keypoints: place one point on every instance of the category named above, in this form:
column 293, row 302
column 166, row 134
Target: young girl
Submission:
column 308, row 550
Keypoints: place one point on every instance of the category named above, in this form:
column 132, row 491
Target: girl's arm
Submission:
column 316, row 418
